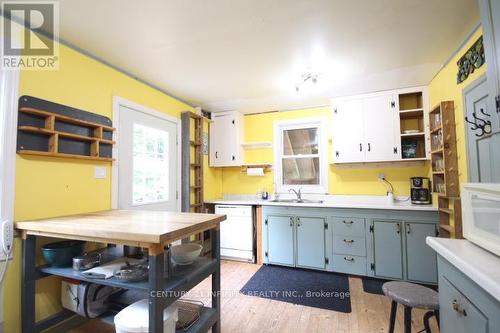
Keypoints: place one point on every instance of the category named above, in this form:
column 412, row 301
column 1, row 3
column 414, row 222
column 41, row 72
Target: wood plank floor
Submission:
column 248, row 314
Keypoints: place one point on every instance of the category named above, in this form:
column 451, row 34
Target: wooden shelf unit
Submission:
column 52, row 120
column 444, row 165
column 412, row 117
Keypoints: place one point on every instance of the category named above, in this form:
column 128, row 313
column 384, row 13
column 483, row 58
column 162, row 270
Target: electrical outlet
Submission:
column 7, row 236
column 100, row 172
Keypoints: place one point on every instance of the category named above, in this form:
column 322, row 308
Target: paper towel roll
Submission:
column 254, row 172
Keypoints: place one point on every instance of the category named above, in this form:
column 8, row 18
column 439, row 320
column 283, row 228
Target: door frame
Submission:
column 9, row 96
column 471, row 86
column 117, row 103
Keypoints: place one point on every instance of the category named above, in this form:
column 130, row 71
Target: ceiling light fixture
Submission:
column 311, row 77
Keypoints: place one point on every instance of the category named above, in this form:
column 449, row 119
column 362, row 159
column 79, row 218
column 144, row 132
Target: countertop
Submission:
column 329, row 201
column 479, row 265
column 128, row 227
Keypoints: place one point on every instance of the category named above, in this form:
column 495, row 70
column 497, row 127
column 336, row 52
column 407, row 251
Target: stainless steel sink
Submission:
column 298, row 201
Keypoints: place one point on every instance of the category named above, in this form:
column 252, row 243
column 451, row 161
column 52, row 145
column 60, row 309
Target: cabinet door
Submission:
column 457, row 313
column 219, row 140
column 310, row 242
column 421, row 263
column 280, row 248
column 380, row 126
column 387, row 247
column 347, row 135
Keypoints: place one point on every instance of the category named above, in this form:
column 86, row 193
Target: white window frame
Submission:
column 282, row 125
column 117, row 103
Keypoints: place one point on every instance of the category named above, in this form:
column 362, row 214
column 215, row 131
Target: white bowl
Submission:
column 185, row 254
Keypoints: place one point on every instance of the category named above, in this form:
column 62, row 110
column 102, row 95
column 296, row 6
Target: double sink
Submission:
column 297, row 201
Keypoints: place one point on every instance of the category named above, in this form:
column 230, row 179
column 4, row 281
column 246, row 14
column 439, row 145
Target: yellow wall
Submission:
column 259, row 127
column 48, row 187
column 444, row 87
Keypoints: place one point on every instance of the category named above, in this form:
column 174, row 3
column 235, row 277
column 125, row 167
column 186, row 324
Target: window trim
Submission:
column 282, row 125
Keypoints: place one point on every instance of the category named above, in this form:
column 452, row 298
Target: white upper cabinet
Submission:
column 226, row 133
column 380, row 127
column 348, row 131
column 490, row 21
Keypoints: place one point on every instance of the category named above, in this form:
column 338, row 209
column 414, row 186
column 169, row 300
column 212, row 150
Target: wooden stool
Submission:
column 411, row 295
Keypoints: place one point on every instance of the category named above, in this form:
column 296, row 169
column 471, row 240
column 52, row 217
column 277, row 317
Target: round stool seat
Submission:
column 412, row 295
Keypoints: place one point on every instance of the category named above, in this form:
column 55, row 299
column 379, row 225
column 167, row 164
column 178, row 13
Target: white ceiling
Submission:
column 249, row 54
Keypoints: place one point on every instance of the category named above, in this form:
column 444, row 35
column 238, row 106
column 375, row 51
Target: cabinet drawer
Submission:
column 349, row 226
column 349, row 264
column 355, row 246
column 458, row 314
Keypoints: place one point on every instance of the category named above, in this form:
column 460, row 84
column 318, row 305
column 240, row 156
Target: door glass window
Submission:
column 150, row 165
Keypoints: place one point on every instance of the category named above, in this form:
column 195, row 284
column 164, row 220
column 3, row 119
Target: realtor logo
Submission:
column 30, row 35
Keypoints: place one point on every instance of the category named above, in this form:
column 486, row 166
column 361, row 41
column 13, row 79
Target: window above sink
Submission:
column 300, row 148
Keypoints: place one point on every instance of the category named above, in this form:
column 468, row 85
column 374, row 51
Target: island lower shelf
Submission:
column 183, row 277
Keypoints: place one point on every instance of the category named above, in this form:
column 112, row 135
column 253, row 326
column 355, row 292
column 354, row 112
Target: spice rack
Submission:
column 50, row 133
column 444, row 164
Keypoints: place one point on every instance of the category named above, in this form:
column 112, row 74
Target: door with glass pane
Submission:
column 147, row 162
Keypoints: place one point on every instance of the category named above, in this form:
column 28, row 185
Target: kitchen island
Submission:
column 147, row 229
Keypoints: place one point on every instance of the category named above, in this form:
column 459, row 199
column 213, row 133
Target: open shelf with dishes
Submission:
column 444, row 164
column 412, row 120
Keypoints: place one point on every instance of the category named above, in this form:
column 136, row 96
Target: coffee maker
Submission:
column 420, row 191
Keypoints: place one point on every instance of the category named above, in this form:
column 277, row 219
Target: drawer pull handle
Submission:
column 349, row 259
column 349, row 241
column 458, row 308
column 347, row 222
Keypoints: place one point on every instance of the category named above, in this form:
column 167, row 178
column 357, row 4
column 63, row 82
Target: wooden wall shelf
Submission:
column 55, row 130
column 445, row 169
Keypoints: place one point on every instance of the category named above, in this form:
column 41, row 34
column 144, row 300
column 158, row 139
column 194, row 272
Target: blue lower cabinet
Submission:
column 458, row 314
column 310, row 242
column 421, row 263
column 387, row 249
column 464, row 306
column 344, row 263
column 280, row 240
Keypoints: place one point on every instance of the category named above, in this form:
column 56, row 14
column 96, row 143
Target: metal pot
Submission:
column 86, row 261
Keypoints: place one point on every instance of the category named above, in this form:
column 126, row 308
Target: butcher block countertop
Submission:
column 127, row 227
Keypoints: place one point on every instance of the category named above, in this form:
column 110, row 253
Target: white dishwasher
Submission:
column 236, row 232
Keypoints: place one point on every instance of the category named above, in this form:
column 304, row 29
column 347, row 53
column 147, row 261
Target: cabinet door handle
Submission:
column 369, row 147
column 216, row 154
column 360, row 147
column 298, row 222
column 408, row 229
column 349, row 241
column 349, row 259
column 347, row 222
column 291, row 221
column 398, row 228
column 458, row 308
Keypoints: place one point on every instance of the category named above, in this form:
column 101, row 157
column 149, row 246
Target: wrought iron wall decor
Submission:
column 471, row 60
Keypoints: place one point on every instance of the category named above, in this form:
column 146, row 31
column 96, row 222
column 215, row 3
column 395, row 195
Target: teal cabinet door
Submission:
column 280, row 247
column 421, row 261
column 458, row 314
column 387, row 248
column 311, row 242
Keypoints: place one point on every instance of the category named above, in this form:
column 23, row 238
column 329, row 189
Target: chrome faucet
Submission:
column 297, row 193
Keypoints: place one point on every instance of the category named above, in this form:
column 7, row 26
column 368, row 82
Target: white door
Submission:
column 379, row 127
column 347, row 127
column 147, row 162
column 482, row 143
